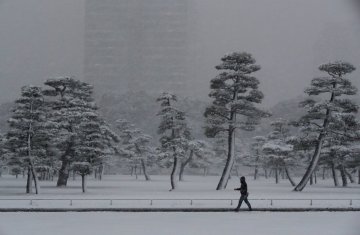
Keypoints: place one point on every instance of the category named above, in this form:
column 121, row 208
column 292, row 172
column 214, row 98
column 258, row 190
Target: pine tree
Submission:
column 278, row 152
column 28, row 137
column 135, row 146
column 92, row 147
column 200, row 154
column 255, row 157
column 83, row 136
column 204, row 156
column 174, row 133
column 322, row 115
column 235, row 93
column 341, row 145
column 3, row 159
column 68, row 99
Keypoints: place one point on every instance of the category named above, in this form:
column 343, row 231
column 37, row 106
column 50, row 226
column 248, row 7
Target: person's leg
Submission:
column 240, row 202
column 247, row 203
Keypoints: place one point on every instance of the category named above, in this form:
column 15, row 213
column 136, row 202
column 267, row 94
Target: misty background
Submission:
column 40, row 39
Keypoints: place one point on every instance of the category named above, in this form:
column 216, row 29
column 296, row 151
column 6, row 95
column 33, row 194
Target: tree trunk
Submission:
column 101, row 171
column 184, row 164
column 315, row 177
column 266, row 173
column 237, row 172
column 63, row 174
column 147, row 177
column 229, row 162
column 359, row 175
column 83, row 183
column 311, row 179
column 316, row 156
column 312, row 166
column 136, row 173
column 282, row 174
column 289, row 177
column 29, row 181
column 96, row 173
column 349, row 176
column 343, row 175
column 276, row 175
column 205, row 173
column 323, row 173
column 34, row 176
column 181, row 172
column 333, row 171
column 256, row 173
column 174, row 174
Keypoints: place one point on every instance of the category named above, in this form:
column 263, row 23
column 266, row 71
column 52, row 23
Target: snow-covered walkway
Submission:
column 254, row 223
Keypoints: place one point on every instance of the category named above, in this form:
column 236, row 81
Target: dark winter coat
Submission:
column 243, row 188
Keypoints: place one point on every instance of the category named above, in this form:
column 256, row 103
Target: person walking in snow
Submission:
column 244, row 194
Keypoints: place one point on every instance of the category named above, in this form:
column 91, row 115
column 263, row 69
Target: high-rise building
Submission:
column 136, row 44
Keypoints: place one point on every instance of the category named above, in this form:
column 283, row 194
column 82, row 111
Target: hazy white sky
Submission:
column 289, row 39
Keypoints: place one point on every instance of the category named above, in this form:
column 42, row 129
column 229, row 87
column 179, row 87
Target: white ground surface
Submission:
column 194, row 187
column 251, row 223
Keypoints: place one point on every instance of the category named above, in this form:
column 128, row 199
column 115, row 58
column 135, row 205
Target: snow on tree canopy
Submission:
column 234, row 92
column 330, row 117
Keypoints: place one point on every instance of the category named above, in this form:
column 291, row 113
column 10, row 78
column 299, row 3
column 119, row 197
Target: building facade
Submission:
column 136, row 45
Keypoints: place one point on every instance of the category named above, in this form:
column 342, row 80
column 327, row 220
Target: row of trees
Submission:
column 328, row 133
column 58, row 129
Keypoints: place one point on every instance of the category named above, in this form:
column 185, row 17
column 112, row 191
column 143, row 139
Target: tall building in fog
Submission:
column 136, row 44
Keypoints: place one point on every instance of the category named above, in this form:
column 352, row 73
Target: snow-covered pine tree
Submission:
column 3, row 160
column 235, row 93
column 91, row 146
column 111, row 140
column 321, row 114
column 68, row 99
column 74, row 111
column 341, row 145
column 200, row 154
column 255, row 158
column 278, row 152
column 204, row 157
column 27, row 138
column 174, row 133
column 135, row 146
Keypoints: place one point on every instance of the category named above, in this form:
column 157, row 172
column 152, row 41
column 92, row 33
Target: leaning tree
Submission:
column 325, row 115
column 235, row 93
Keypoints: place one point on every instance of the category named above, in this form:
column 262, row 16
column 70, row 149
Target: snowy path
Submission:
column 194, row 187
column 180, row 223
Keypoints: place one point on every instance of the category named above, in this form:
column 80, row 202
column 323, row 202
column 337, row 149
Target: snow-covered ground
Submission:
column 254, row 223
column 194, row 187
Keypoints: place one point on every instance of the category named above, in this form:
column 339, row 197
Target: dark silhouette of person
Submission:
column 244, row 194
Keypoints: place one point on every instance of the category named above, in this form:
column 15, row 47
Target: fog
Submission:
column 289, row 38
